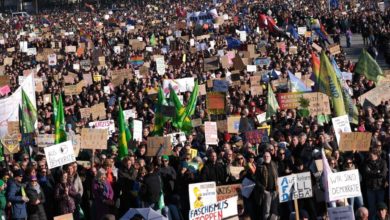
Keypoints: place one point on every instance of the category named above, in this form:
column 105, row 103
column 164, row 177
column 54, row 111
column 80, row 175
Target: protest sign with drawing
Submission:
column 341, row 125
column 295, row 186
column 59, row 154
column 217, row 210
column 201, row 194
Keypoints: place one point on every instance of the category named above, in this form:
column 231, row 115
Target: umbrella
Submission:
column 147, row 213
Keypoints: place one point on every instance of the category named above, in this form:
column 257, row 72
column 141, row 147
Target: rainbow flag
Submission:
column 137, row 60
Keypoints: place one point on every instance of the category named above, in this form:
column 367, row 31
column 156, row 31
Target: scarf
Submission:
column 37, row 188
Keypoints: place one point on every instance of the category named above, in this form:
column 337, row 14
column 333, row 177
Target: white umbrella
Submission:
column 147, row 213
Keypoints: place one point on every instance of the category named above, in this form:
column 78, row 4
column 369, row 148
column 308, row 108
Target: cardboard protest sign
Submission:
column 359, row 141
column 196, row 122
column 215, row 102
column 105, row 124
column 211, row 63
column 220, row 85
column 76, row 142
column 52, row 59
column 64, row 217
column 70, row 49
column 201, row 194
column 4, row 80
column 228, row 191
column 13, row 127
column 98, row 111
column 235, row 171
column 211, row 133
column 59, row 154
column 342, row 212
column 376, row 96
column 302, row 30
column 179, row 85
column 295, row 186
column 158, row 146
column 94, row 138
column 318, row 102
column 177, row 138
column 219, row 210
column 10, row 143
column 130, row 113
column 45, row 140
column 222, row 126
column 343, row 185
column 341, row 125
column 316, row 47
column 334, row 49
column 257, row 136
column 233, row 123
column 85, row 112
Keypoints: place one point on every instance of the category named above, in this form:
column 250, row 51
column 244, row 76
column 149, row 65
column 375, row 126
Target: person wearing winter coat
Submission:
column 35, row 208
column 375, row 172
column 17, row 196
column 103, row 195
column 213, row 171
column 64, row 195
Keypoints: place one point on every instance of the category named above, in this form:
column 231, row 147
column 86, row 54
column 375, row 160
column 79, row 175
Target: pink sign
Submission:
column 5, row 90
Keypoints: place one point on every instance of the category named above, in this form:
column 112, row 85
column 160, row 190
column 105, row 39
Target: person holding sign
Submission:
column 17, row 196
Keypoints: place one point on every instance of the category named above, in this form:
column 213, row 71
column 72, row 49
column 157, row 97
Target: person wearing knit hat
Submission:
column 3, row 200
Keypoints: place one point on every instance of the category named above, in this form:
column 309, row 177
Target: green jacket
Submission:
column 3, row 203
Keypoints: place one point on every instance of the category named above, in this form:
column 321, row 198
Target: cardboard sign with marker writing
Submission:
column 334, row 49
column 233, row 124
column 359, row 141
column 98, row 111
column 64, row 217
column 211, row 63
column 196, row 122
column 10, row 144
column 158, row 146
column 215, row 101
column 13, row 127
column 94, row 138
column 85, row 112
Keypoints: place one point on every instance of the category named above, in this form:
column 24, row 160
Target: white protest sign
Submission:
column 211, row 132
column 179, row 85
column 343, row 185
column 174, row 140
column 59, row 154
column 302, row 30
column 130, row 113
column 52, row 58
column 160, row 65
column 341, row 124
column 295, row 186
column 342, row 212
column 261, row 117
column 11, row 113
column 243, row 36
column 137, row 130
column 106, row 124
column 202, row 194
column 251, row 68
column 219, row 210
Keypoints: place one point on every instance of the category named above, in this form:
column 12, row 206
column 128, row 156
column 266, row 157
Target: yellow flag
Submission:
column 332, row 86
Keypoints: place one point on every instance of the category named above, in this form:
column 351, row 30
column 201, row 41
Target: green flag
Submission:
column 29, row 114
column 153, row 40
column 182, row 120
column 60, row 134
column 368, row 67
column 332, row 87
column 159, row 119
column 123, row 135
column 272, row 103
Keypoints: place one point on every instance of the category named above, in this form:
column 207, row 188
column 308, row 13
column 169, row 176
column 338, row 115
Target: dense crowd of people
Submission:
column 108, row 186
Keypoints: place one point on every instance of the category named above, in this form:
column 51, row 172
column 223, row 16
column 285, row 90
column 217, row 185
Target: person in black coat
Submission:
column 151, row 188
column 213, row 171
column 35, row 208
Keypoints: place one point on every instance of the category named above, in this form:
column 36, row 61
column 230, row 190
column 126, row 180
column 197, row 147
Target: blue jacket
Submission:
column 15, row 197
